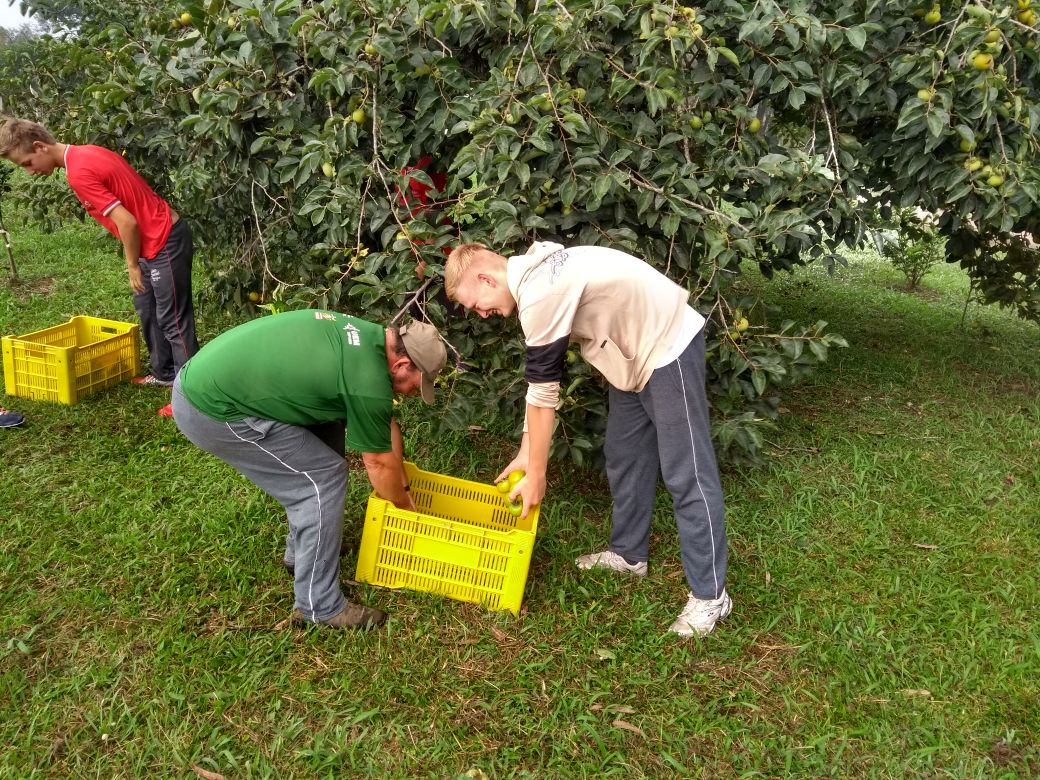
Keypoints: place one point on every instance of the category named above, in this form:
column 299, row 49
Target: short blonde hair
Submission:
column 459, row 261
column 18, row 135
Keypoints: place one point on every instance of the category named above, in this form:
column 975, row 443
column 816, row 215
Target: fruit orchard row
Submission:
column 710, row 139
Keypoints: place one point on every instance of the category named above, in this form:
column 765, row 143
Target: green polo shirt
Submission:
column 301, row 368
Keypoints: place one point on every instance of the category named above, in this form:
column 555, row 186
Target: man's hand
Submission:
column 136, row 278
column 531, row 489
column 519, row 463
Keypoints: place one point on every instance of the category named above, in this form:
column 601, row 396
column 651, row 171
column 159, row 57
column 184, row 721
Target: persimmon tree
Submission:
column 326, row 149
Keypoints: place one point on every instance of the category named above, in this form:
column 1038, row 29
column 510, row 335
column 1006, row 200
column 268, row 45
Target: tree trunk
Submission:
column 10, row 254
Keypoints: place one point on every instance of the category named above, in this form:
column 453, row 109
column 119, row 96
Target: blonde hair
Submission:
column 18, row 135
column 459, row 261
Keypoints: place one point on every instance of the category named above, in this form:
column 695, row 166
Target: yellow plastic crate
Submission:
column 68, row 362
column 462, row 543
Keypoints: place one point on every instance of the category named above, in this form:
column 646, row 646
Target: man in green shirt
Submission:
column 252, row 397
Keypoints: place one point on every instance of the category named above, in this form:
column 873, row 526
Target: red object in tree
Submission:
column 420, row 191
column 420, row 195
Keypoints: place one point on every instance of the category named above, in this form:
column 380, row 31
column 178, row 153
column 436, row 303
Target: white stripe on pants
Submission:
column 303, row 474
column 665, row 429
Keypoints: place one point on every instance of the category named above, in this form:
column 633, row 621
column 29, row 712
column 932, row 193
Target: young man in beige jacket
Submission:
column 635, row 326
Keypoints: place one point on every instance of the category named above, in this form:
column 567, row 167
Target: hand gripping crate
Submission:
column 68, row 362
column 462, row 543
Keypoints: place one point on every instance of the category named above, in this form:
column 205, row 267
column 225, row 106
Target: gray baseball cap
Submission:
column 426, row 350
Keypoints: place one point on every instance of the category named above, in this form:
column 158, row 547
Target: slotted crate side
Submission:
column 39, row 365
column 409, row 561
column 111, row 355
column 445, row 553
column 66, row 362
column 459, row 499
column 466, row 558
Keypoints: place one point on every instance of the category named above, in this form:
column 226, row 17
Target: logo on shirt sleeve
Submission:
column 352, row 336
column 325, row 315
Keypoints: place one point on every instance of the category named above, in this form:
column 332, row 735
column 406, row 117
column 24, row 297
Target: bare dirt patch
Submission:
column 25, row 288
column 1006, row 755
column 924, row 293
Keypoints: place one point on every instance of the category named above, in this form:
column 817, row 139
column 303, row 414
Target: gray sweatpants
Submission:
column 306, row 477
column 165, row 307
column 664, row 428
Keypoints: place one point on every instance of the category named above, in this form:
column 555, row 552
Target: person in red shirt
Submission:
column 156, row 242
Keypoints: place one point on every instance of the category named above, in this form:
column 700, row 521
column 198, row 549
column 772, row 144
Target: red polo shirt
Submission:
column 103, row 180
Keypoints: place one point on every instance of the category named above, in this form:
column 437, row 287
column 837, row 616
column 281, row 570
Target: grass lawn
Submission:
column 883, row 566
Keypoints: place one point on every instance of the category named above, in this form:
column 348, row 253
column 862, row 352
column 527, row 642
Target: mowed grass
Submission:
column 883, row 567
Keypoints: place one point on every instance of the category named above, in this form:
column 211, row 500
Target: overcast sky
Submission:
column 10, row 16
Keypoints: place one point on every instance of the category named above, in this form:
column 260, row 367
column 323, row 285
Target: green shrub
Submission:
column 915, row 248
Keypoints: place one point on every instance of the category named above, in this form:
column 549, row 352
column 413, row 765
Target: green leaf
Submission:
column 759, row 381
column 857, row 36
column 937, row 120
column 728, row 54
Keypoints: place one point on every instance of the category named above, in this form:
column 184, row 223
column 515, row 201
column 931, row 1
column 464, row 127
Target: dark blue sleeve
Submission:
column 547, row 362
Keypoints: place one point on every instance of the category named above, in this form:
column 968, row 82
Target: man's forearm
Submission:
column 397, row 447
column 540, row 421
column 384, row 472
column 130, row 237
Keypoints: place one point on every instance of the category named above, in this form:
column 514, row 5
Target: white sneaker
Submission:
column 700, row 615
column 611, row 560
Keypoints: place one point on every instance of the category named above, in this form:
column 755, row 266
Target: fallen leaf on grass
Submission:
column 605, row 655
column 927, row 546
column 917, row 692
column 624, row 709
column 206, row 774
column 624, row 724
column 498, row 634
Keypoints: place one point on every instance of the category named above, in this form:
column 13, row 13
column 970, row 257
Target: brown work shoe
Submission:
column 352, row 616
